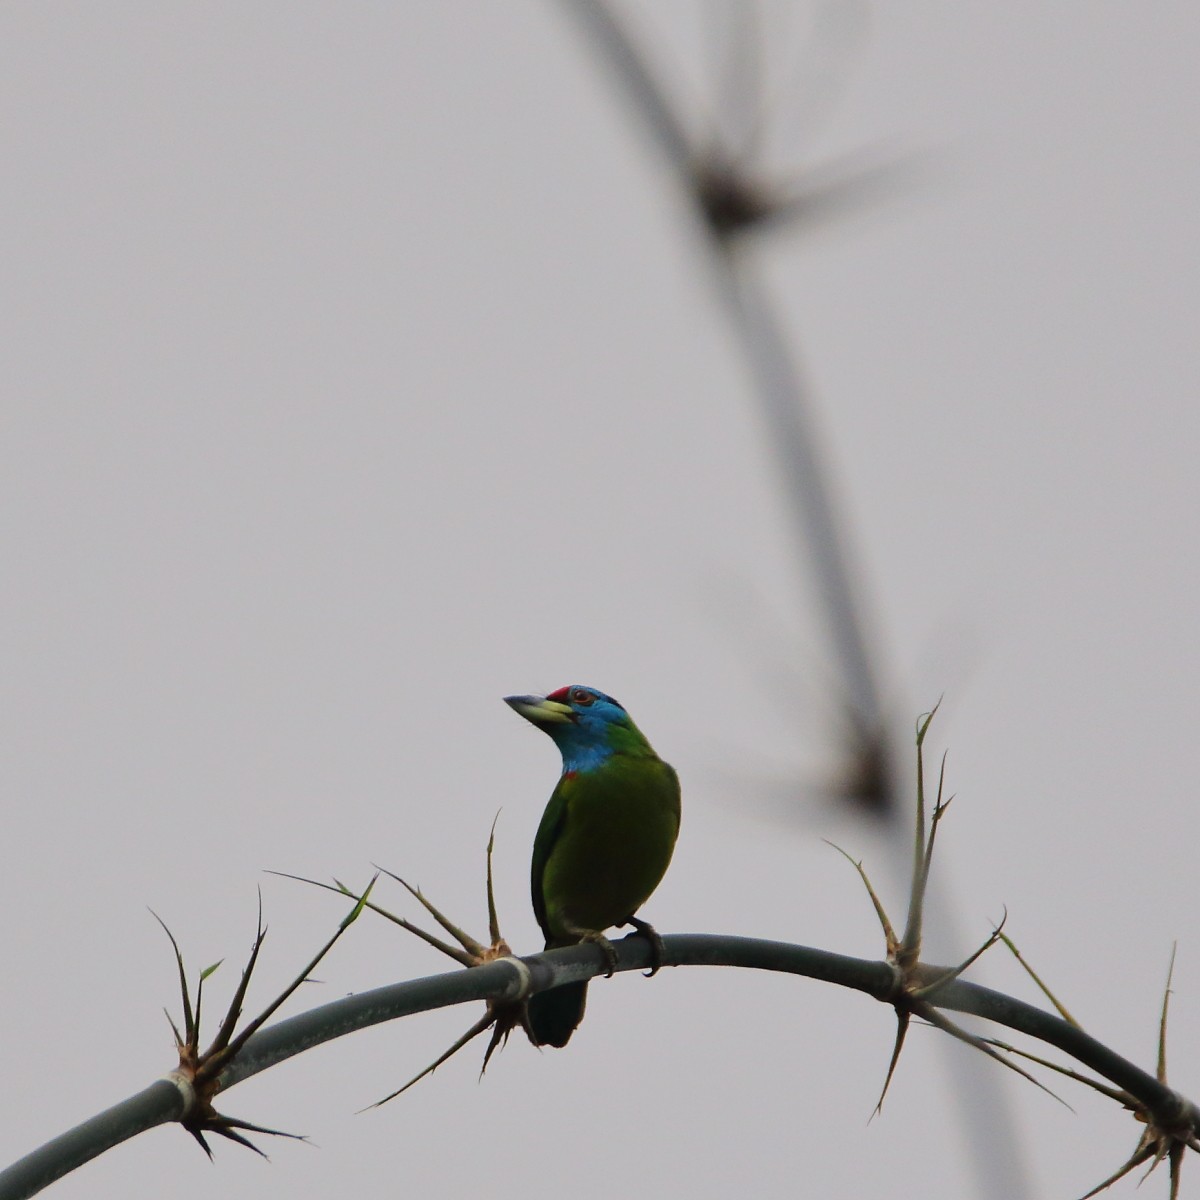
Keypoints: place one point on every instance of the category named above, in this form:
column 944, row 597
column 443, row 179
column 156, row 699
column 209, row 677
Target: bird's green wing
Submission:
column 549, row 831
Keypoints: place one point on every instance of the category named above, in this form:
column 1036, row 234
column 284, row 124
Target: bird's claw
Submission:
column 596, row 938
column 658, row 952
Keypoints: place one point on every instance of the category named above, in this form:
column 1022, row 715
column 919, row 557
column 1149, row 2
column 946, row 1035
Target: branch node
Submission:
column 523, row 982
column 182, row 1082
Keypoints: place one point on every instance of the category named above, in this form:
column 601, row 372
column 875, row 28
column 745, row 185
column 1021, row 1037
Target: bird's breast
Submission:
column 615, row 844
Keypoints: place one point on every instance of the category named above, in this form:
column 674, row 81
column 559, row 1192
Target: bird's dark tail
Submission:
column 555, row 1015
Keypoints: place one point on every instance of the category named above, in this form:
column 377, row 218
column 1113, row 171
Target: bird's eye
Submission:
column 580, row 696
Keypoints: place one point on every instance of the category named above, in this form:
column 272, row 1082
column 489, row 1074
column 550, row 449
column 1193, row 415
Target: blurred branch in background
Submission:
column 733, row 201
column 737, row 199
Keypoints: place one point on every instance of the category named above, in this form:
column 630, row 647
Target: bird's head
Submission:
column 586, row 725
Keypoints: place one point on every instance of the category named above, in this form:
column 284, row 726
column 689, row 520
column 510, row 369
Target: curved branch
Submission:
column 504, row 980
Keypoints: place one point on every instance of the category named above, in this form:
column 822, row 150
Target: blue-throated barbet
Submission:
column 605, row 839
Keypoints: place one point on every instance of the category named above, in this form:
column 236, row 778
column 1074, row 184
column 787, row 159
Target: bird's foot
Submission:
column 596, row 938
column 658, row 952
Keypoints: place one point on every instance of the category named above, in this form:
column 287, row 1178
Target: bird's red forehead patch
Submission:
column 560, row 696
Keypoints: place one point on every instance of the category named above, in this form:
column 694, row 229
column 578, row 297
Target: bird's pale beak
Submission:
column 540, row 710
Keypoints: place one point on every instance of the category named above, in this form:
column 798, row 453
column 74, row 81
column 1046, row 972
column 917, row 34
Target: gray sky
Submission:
column 361, row 368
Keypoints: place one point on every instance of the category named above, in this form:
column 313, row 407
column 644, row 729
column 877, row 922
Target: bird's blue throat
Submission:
column 581, row 751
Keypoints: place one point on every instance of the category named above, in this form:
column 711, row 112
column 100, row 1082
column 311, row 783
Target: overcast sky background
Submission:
column 362, row 366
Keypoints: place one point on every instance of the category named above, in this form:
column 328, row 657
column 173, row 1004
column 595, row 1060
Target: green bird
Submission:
column 604, row 842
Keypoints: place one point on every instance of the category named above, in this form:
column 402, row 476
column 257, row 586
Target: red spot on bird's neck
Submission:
column 570, row 774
